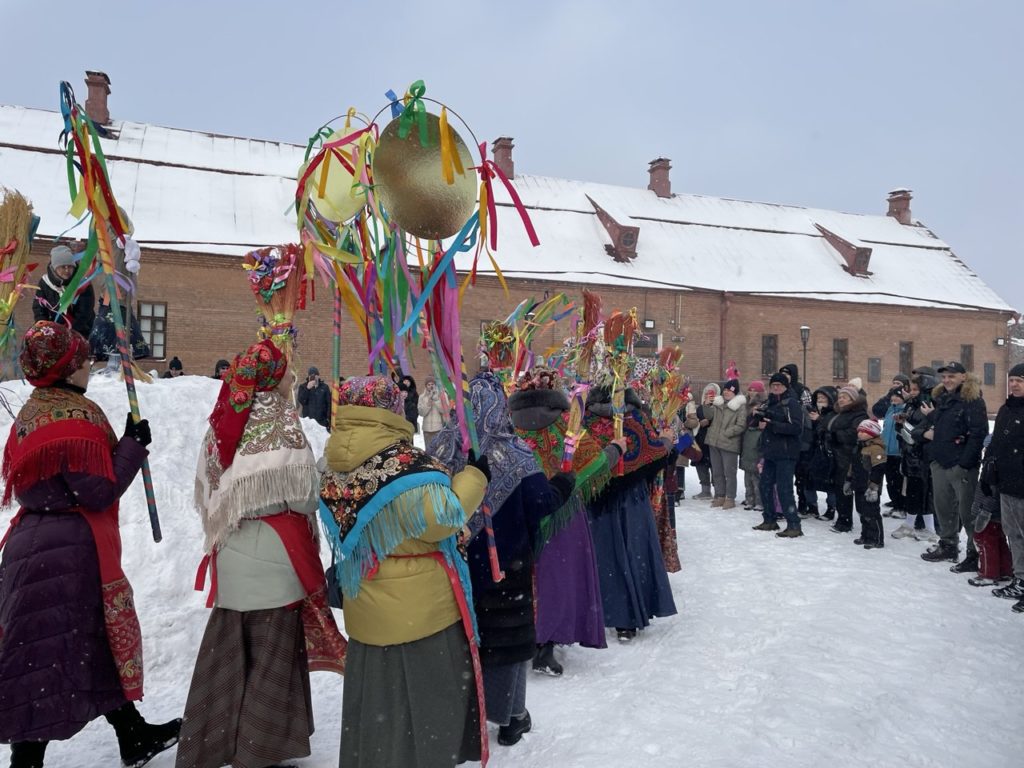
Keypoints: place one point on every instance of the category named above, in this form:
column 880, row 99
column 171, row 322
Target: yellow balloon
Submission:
column 340, row 202
column 409, row 180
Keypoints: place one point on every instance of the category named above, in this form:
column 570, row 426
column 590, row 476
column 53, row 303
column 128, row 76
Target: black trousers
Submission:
column 894, row 481
column 871, row 530
column 918, row 499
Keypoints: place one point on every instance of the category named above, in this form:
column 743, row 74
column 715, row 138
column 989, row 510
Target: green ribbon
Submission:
column 415, row 112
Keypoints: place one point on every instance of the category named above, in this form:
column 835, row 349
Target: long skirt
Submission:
column 634, row 583
column 412, row 705
column 57, row 672
column 569, row 608
column 505, row 691
column 249, row 705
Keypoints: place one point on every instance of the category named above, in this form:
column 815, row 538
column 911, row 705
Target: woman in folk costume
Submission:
column 392, row 514
column 634, row 583
column 70, row 642
column 568, row 590
column 519, row 498
column 256, row 488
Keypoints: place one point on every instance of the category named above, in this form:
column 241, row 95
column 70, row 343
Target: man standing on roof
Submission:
column 958, row 423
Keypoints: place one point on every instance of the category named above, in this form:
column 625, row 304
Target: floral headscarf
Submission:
column 259, row 369
column 52, row 352
column 372, row 392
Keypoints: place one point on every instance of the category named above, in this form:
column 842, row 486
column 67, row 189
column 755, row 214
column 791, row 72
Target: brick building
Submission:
column 726, row 280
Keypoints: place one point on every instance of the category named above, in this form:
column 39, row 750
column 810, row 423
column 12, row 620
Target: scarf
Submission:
column 60, row 430
column 52, row 352
column 589, row 462
column 259, row 369
column 643, row 444
column 510, row 458
column 272, row 464
column 370, row 511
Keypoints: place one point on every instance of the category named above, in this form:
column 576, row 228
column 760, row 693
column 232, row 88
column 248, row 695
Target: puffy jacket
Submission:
column 82, row 312
column 960, row 423
column 431, row 408
column 842, row 429
column 408, row 598
column 780, row 439
column 728, row 423
column 1007, row 448
column 315, row 403
column 890, row 429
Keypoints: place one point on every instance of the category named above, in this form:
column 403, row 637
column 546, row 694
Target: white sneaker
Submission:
column 925, row 535
column 903, row 532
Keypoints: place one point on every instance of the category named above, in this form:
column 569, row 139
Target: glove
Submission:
column 138, row 431
column 871, row 494
column 564, row 483
column 479, row 463
column 847, row 488
column 986, row 488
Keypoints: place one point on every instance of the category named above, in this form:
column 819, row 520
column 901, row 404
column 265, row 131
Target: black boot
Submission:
column 511, row 734
column 544, row 661
column 968, row 565
column 624, row 634
column 138, row 740
column 941, row 552
column 28, row 754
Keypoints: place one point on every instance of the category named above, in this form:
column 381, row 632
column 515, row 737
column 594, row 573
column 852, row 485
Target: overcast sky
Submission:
column 824, row 103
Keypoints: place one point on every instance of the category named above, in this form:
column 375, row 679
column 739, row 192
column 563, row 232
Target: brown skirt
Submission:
column 249, row 705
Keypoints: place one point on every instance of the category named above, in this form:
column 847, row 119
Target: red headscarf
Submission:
column 52, row 352
column 259, row 369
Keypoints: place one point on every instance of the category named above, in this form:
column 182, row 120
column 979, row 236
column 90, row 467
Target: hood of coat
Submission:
column 793, row 372
column 969, row 390
column 360, row 432
column 830, row 393
column 733, row 405
column 536, row 408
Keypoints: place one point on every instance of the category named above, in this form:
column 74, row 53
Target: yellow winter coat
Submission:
column 407, row 599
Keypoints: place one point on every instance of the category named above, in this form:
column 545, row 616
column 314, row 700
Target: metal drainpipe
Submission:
column 723, row 332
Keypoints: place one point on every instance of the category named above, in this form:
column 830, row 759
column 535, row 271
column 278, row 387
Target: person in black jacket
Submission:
column 412, row 401
column 314, row 398
column 851, row 410
column 918, row 500
column 803, row 465
column 82, row 311
column 819, row 475
column 957, row 426
column 864, row 483
column 1007, row 452
column 782, row 419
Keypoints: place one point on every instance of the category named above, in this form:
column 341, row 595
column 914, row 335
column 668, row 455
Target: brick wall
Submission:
column 211, row 314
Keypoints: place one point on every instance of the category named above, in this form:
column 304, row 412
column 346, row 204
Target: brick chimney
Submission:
column 899, row 206
column 660, row 184
column 96, row 102
column 502, row 150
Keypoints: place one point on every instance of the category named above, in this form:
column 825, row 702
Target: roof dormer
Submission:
column 856, row 255
column 624, row 236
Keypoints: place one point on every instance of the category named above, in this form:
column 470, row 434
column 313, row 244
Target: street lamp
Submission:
column 805, row 334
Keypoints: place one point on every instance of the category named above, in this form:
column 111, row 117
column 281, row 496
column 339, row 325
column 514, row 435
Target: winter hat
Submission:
column 313, row 371
column 856, row 382
column 850, row 391
column 1017, row 371
column 61, row 256
column 779, row 378
column 902, row 394
column 902, row 379
column 756, row 386
column 733, row 386
column 175, row 364
column 791, row 370
column 869, row 427
column 714, row 386
column 372, row 392
column 52, row 352
column 924, row 370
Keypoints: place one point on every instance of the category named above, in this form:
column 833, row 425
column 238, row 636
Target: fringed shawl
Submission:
column 273, row 467
column 589, row 462
column 367, row 513
column 643, row 444
column 57, row 430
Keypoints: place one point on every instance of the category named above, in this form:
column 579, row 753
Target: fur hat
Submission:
column 779, row 378
column 869, row 427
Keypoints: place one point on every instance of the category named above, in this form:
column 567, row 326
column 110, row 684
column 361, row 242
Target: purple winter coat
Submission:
column 56, row 669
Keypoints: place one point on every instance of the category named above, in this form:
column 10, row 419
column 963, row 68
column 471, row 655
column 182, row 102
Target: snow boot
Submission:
column 790, row 533
column 1018, row 607
column 1012, row 591
column 838, row 527
column 903, row 532
column 830, row 514
column 941, row 552
column 923, row 534
column 511, row 734
column 544, row 661
column 138, row 740
column 983, row 581
column 729, row 504
column 718, row 501
column 625, row 635
column 28, row 754
column 773, row 526
column 968, row 565
column 705, row 493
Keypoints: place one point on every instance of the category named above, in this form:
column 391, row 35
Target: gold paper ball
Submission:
column 409, row 181
column 338, row 203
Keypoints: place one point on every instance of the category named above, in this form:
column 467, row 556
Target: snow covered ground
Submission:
column 801, row 653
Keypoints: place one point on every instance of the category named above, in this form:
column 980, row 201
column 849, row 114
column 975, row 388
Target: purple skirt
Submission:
column 569, row 608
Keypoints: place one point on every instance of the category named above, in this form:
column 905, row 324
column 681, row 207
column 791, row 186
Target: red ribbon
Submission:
column 488, row 170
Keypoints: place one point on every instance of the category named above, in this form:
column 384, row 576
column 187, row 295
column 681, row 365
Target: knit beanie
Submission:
column 869, row 427
column 61, row 256
column 779, row 378
column 1017, row 371
column 733, row 386
column 902, row 379
column 850, row 391
column 756, row 386
column 175, row 364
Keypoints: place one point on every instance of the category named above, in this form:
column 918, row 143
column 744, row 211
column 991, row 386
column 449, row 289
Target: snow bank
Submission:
column 802, row 653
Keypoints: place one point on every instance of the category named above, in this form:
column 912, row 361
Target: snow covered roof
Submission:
column 200, row 192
